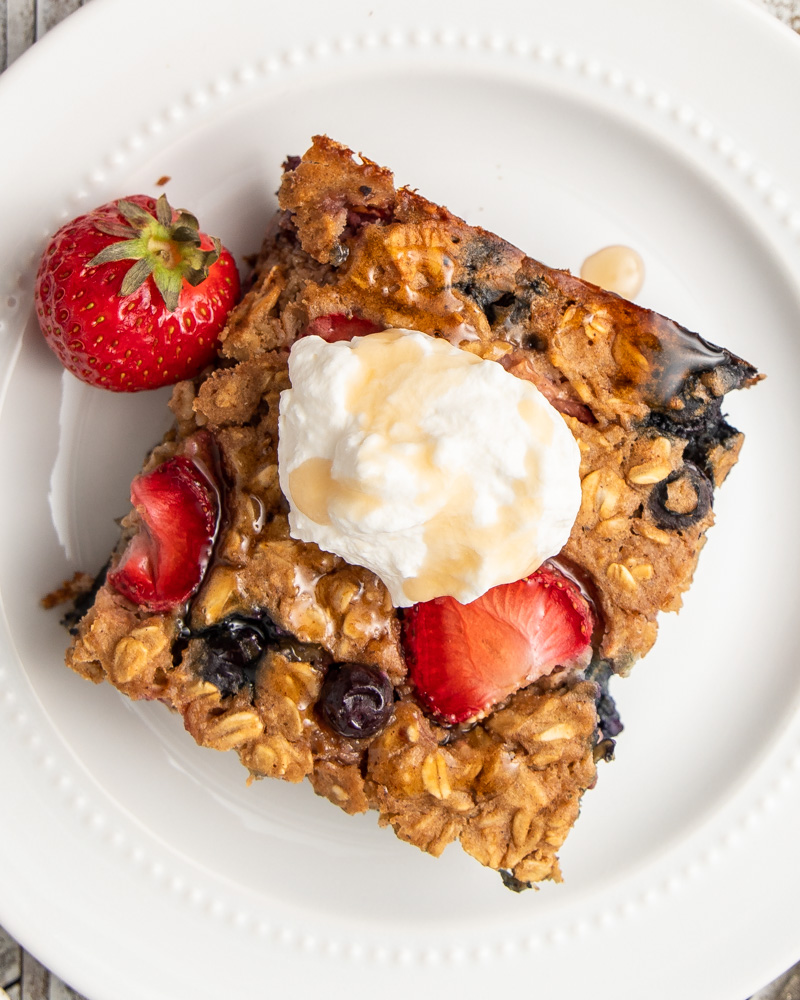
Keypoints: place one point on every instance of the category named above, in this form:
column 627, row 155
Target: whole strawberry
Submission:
column 130, row 326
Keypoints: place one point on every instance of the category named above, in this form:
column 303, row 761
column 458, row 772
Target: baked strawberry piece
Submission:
column 464, row 659
column 339, row 326
column 480, row 722
column 165, row 561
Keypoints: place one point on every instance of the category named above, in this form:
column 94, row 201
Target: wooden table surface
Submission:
column 22, row 977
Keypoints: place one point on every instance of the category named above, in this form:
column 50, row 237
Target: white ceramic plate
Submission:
column 136, row 864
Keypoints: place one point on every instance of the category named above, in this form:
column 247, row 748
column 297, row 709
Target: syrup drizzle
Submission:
column 617, row 268
column 407, row 272
column 660, row 361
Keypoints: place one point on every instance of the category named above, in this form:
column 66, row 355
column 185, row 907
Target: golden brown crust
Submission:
column 347, row 186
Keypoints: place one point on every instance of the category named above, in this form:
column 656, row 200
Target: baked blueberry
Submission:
column 510, row 881
column 356, row 700
column 83, row 602
column 608, row 720
column 682, row 499
column 233, row 650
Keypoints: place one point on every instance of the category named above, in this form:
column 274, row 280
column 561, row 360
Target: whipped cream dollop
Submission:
column 437, row 470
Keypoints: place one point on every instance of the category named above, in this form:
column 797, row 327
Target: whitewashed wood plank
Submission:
column 3, row 34
column 785, row 987
column 50, row 12
column 20, row 27
column 10, row 959
column 35, row 982
column 60, row 991
column 787, row 11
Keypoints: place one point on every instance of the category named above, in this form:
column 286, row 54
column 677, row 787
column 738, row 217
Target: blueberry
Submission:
column 608, row 720
column 694, row 492
column 356, row 700
column 83, row 602
column 689, row 422
column 510, row 881
column 717, row 434
column 232, row 652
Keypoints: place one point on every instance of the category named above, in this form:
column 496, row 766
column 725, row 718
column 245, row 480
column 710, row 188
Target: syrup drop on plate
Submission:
column 617, row 269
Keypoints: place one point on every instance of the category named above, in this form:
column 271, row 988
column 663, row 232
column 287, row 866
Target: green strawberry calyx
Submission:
column 165, row 247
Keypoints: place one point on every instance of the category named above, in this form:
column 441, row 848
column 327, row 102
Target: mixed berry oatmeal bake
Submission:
column 318, row 624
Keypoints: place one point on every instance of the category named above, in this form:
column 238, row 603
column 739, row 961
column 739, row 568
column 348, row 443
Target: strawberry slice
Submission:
column 166, row 559
column 465, row 658
column 338, row 326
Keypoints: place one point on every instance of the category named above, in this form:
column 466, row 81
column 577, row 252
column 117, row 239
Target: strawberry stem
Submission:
column 166, row 246
column 166, row 250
